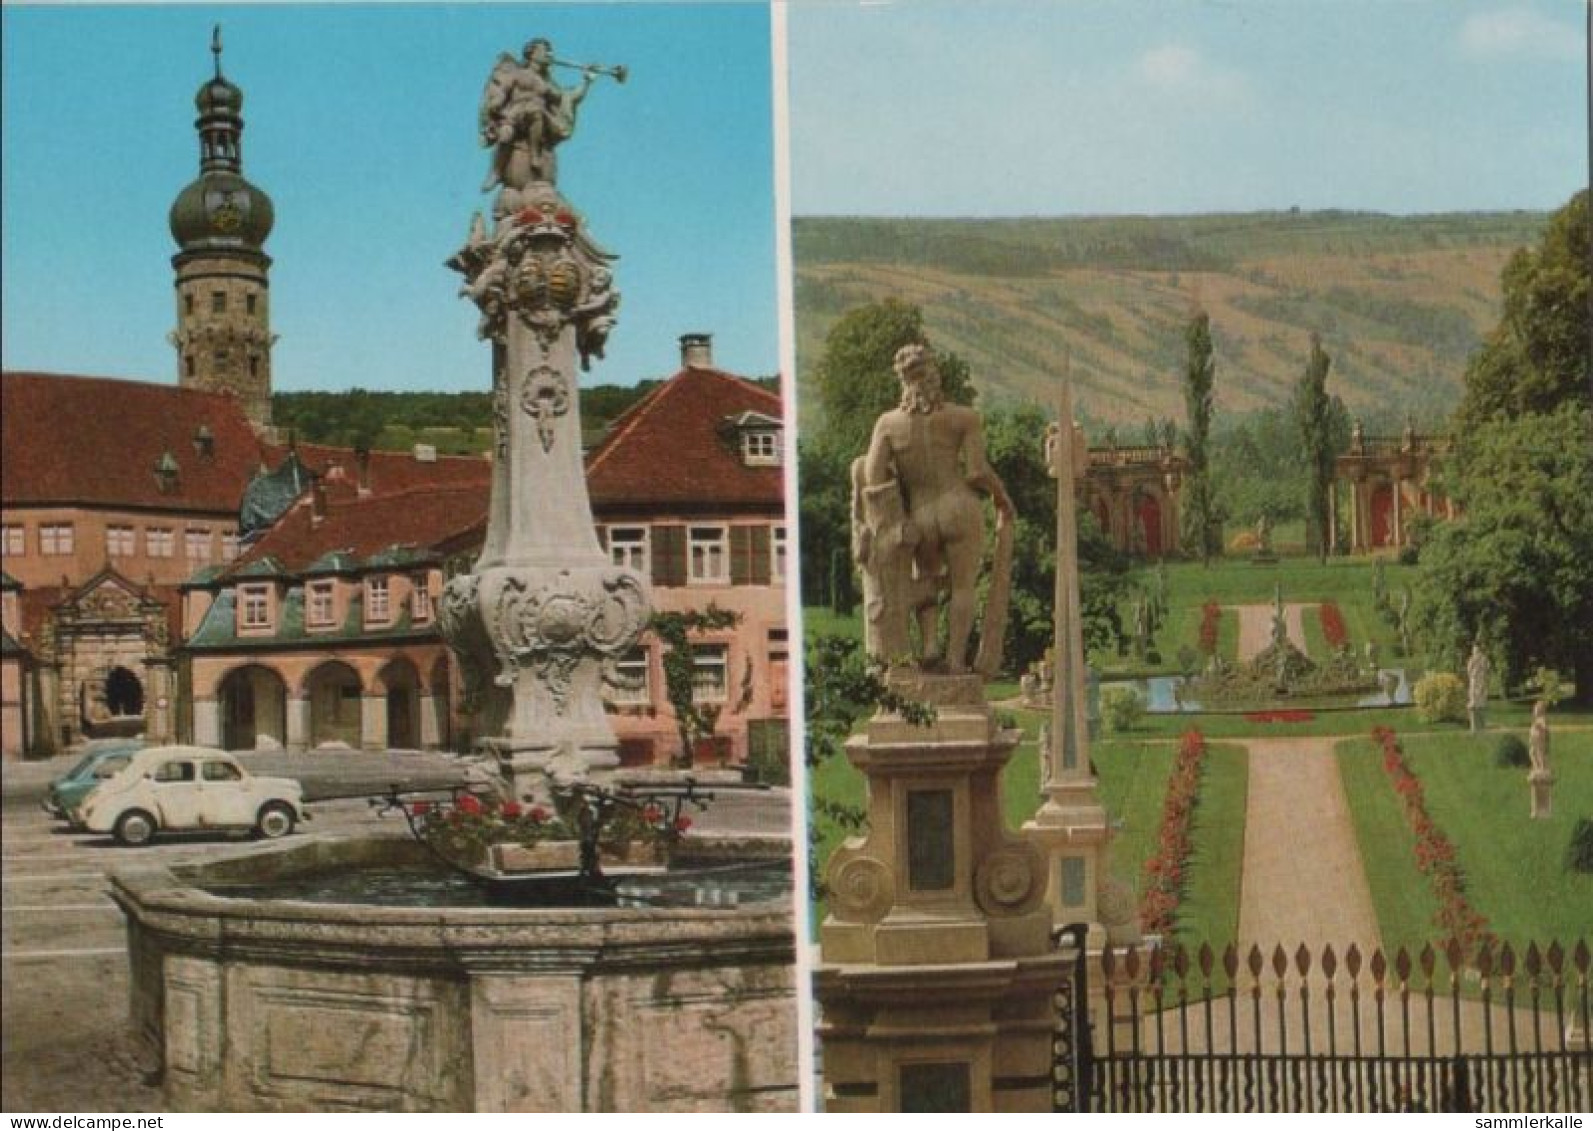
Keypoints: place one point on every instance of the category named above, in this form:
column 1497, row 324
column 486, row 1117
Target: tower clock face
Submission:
column 226, row 210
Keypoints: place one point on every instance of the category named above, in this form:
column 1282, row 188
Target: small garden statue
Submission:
column 1477, row 671
column 1540, row 777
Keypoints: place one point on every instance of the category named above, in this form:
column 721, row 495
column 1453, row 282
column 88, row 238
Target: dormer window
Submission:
column 166, row 473
column 378, row 601
column 761, row 448
column 420, row 599
column 318, row 610
column 254, row 606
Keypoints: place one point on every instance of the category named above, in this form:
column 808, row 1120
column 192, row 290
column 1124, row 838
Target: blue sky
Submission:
column 361, row 125
column 1002, row 108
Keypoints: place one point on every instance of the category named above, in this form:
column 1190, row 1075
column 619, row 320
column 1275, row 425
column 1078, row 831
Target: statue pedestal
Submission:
column 937, row 969
column 1541, row 783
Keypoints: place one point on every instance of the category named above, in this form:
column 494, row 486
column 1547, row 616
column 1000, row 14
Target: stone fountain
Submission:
column 543, row 609
column 269, row 981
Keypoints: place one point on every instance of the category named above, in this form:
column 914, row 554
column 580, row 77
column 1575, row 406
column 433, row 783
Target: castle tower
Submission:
column 220, row 222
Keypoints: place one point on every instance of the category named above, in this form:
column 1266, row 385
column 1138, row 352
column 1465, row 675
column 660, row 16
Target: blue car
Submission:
column 103, row 759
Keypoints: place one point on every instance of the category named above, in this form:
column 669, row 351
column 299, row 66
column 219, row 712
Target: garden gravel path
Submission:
column 1303, row 880
column 1255, row 627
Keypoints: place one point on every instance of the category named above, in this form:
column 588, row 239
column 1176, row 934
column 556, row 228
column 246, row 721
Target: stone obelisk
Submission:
column 543, row 610
column 1071, row 824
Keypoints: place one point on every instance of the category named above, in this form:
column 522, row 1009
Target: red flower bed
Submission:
column 1435, row 852
column 1294, row 716
column 1165, row 870
column 1210, row 619
column 1333, row 625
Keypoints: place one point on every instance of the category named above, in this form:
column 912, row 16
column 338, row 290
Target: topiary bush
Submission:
column 1122, row 708
column 1511, row 750
column 1579, row 854
column 1440, row 697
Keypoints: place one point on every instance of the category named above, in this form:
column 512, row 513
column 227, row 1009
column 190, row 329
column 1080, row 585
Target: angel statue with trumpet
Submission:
column 525, row 114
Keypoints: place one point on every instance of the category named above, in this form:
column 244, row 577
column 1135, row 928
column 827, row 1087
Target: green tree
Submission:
column 824, row 513
column 1014, row 435
column 1517, row 567
column 1313, row 415
column 1539, row 357
column 1202, row 520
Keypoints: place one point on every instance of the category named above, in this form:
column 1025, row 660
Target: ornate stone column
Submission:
column 543, row 610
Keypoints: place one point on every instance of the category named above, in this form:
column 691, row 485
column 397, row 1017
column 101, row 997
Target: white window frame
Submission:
column 254, row 606
column 760, row 447
column 710, row 674
column 633, row 686
column 121, row 541
column 378, row 600
column 777, row 552
column 57, row 539
column 159, row 541
column 420, row 609
column 197, row 544
column 631, row 547
column 320, row 604
column 715, row 554
column 13, row 540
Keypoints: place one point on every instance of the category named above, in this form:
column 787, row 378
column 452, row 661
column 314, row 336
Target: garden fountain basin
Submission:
column 254, row 1003
column 1158, row 694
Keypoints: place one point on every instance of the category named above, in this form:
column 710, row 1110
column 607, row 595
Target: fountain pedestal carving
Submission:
column 544, row 610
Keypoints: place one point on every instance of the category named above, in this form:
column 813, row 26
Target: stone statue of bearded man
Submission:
column 918, row 524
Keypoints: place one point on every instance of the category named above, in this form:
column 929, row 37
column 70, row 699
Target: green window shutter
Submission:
column 741, row 564
column 761, row 572
column 669, row 555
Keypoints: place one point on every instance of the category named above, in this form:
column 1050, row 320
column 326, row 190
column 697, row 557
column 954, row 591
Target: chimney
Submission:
column 697, row 351
column 317, row 503
column 425, row 453
column 362, row 462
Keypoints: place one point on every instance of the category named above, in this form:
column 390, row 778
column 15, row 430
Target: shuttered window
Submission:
column 749, row 555
column 669, row 555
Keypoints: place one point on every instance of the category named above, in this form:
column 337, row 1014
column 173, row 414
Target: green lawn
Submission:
column 1513, row 865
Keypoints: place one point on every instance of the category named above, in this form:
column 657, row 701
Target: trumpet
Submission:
column 616, row 72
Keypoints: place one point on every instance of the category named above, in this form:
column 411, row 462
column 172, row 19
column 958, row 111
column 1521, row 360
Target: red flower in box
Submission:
column 468, row 803
column 682, row 823
column 511, row 810
column 1333, row 628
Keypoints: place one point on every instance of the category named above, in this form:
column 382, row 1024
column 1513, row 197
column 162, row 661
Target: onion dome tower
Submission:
column 220, row 223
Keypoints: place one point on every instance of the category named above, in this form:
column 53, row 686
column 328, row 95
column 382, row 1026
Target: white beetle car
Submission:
column 190, row 788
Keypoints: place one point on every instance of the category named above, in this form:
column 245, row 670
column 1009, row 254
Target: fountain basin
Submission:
column 252, row 1003
column 1159, row 693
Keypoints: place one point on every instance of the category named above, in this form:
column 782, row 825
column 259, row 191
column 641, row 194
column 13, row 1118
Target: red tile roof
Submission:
column 387, row 473
column 96, row 441
column 672, row 448
column 419, row 517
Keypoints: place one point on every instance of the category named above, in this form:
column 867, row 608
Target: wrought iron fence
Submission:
column 1174, row 1029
